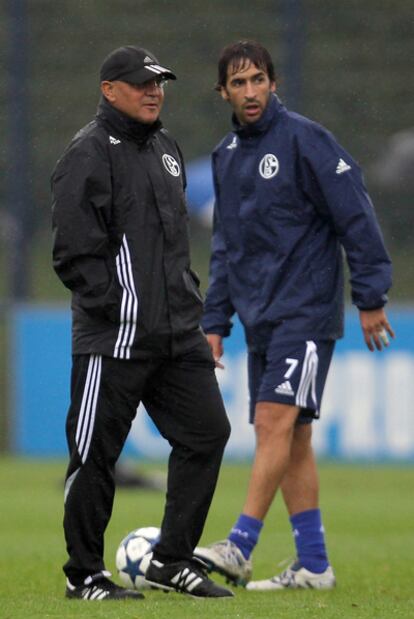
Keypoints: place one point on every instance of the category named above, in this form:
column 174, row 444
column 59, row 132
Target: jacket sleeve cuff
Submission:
column 219, row 330
column 376, row 306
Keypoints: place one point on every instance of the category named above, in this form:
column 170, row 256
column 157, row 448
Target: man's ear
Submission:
column 272, row 86
column 107, row 89
column 224, row 93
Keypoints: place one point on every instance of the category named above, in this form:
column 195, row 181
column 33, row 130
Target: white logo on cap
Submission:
column 269, row 166
column 148, row 59
column 171, row 165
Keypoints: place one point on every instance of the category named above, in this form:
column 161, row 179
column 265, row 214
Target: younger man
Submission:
column 288, row 199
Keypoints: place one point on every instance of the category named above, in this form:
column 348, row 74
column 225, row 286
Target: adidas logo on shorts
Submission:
column 285, row 388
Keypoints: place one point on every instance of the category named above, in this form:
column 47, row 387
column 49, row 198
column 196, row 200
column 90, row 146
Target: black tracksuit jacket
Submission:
column 121, row 239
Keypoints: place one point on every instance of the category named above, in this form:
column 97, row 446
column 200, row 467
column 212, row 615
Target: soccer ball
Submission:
column 134, row 554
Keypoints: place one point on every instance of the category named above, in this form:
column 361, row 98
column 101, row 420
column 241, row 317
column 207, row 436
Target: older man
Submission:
column 121, row 247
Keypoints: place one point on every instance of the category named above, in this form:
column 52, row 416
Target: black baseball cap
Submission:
column 134, row 65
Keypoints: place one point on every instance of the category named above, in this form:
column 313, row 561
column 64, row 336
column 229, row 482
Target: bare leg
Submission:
column 274, row 426
column 300, row 484
column 283, row 458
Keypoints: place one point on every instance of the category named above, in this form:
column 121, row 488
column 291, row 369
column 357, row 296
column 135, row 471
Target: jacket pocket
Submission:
column 111, row 306
column 192, row 282
column 105, row 305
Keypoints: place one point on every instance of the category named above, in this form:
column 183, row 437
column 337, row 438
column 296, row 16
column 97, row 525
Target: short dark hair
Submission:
column 240, row 55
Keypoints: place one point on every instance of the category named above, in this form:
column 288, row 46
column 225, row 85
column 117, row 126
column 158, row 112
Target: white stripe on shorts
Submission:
column 308, row 378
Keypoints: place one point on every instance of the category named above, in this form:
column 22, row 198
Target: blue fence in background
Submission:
column 367, row 412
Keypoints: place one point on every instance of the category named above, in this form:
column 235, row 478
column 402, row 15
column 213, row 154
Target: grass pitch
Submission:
column 368, row 515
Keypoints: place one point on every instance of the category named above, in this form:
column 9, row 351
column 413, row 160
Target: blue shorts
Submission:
column 291, row 373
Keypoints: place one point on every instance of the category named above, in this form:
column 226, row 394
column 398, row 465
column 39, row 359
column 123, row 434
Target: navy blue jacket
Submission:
column 288, row 197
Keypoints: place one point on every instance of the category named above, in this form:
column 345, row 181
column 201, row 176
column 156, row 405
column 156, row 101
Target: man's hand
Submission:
column 216, row 344
column 375, row 326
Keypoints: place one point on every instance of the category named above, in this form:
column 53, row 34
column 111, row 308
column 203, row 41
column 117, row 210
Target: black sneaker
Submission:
column 185, row 577
column 99, row 587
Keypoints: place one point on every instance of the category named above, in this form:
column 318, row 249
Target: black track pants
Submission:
column 182, row 397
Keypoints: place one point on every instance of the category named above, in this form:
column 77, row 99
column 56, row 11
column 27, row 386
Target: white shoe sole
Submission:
column 303, row 579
